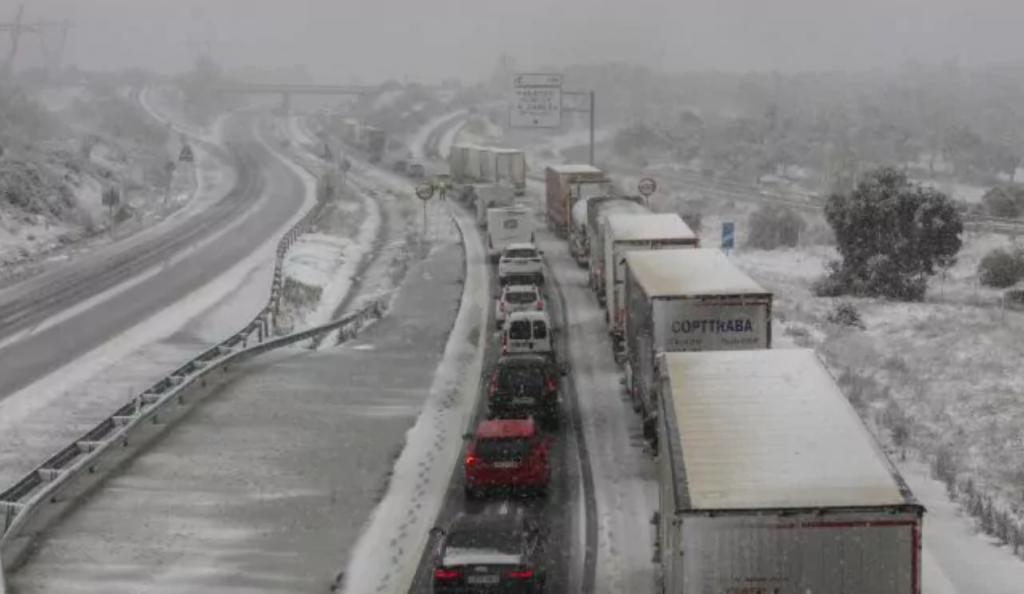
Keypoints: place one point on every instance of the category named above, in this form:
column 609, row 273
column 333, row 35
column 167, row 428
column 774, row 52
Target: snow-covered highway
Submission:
column 71, row 324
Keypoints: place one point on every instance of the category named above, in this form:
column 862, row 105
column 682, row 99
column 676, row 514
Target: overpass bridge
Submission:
column 287, row 90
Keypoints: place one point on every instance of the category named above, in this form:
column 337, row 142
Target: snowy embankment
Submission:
column 389, row 549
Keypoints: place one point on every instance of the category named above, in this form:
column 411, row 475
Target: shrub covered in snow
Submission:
column 694, row 219
column 771, row 227
column 846, row 314
column 1005, row 202
column 892, row 235
column 1001, row 268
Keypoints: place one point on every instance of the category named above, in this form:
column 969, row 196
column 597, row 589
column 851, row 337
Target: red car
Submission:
column 507, row 455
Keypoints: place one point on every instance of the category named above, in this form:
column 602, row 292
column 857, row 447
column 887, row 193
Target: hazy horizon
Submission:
column 425, row 41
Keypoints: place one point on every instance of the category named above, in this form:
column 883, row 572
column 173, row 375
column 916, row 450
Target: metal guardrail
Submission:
column 46, row 493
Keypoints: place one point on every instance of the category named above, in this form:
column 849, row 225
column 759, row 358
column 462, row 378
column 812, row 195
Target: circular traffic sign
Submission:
column 647, row 186
column 425, row 191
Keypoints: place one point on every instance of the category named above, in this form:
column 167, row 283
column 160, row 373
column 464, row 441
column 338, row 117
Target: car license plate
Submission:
column 523, row 400
column 506, row 464
column 482, row 579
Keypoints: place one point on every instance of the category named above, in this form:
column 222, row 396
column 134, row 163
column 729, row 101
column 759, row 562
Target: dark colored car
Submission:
column 507, row 455
column 525, row 385
column 490, row 553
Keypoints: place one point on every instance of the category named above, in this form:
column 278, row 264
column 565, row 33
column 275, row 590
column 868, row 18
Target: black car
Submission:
column 525, row 385
column 490, row 553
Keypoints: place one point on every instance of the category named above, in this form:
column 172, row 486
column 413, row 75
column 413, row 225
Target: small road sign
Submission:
column 647, row 186
column 186, row 155
column 537, row 102
column 728, row 236
column 425, row 191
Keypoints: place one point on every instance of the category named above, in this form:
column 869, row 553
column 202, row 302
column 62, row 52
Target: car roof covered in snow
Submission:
column 769, row 429
column 531, row 315
column 520, row 246
column 520, row 289
column 496, row 428
column 574, row 168
column 689, row 271
column 650, row 227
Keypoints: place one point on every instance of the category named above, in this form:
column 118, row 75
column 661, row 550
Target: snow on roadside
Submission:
column 388, row 552
column 418, row 141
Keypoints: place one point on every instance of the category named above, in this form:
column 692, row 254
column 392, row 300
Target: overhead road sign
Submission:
column 537, row 102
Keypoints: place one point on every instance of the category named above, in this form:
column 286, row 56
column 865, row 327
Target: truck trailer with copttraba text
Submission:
column 630, row 233
column 686, row 300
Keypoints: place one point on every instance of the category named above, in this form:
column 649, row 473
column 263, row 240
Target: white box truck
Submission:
column 490, row 196
column 627, row 233
column 508, row 225
column 686, row 300
column 598, row 211
column 769, row 483
column 510, row 167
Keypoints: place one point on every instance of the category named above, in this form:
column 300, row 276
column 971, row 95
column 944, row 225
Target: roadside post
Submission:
column 424, row 192
column 647, row 187
column 728, row 236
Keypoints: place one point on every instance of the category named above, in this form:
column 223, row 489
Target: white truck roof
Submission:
column 574, row 168
column 696, row 271
column 771, row 430
column 649, row 227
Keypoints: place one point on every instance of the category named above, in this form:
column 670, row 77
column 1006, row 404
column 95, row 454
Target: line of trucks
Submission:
column 769, row 482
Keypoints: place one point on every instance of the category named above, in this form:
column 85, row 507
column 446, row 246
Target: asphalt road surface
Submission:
column 266, row 486
column 27, row 305
column 558, row 511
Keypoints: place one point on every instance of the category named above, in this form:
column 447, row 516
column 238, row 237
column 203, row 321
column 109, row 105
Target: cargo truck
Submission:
column 769, row 483
column 564, row 184
column 598, row 210
column 628, row 233
column 686, row 300
column 507, row 226
column 490, row 196
column 510, row 168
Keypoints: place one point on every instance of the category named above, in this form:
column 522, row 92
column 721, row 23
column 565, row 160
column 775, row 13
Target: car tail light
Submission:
column 520, row 573
column 493, row 387
column 470, row 458
column 502, row 306
column 540, row 304
column 550, row 385
column 446, row 574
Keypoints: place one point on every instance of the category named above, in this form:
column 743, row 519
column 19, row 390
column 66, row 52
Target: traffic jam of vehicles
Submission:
column 768, row 481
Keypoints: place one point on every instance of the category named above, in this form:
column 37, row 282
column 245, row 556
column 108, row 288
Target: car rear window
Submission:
column 519, row 330
column 520, row 297
column 505, row 541
column 540, row 330
column 521, row 254
column 521, row 378
column 503, row 449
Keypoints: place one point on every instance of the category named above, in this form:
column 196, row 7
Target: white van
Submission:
column 528, row 332
column 507, row 226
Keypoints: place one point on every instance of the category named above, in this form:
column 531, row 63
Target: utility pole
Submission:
column 591, row 111
column 15, row 30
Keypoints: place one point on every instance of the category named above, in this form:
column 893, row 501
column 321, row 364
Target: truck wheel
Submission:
column 650, row 430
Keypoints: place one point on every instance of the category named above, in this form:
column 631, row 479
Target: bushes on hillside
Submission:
column 771, row 227
column 1001, row 268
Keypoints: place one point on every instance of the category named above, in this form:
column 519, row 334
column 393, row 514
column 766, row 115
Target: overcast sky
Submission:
column 430, row 39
